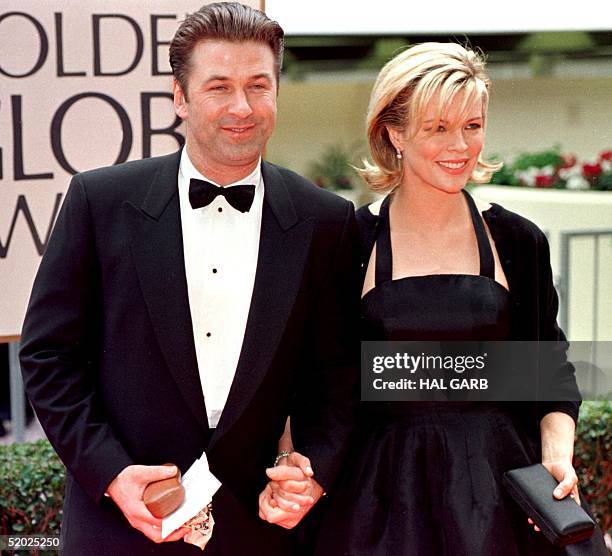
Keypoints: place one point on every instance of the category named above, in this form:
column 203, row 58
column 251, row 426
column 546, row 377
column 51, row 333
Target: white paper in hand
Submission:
column 200, row 485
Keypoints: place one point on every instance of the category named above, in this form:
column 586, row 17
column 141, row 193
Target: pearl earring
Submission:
column 398, row 154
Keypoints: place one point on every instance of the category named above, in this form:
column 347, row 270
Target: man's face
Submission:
column 231, row 110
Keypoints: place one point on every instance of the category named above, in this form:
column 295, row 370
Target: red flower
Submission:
column 605, row 155
column 591, row 171
column 543, row 180
column 568, row 160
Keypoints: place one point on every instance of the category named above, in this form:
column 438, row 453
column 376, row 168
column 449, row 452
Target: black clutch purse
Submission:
column 563, row 522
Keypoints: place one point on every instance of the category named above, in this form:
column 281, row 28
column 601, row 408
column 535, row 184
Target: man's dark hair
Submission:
column 229, row 21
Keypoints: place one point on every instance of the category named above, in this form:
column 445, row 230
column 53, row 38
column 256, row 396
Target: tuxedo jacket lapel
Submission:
column 283, row 248
column 156, row 243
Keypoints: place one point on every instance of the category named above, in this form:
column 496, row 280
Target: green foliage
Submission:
column 592, row 455
column 32, row 481
column 551, row 157
column 504, row 176
column 334, row 169
column 604, row 182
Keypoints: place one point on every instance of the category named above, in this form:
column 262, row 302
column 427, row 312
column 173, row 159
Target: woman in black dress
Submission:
column 424, row 478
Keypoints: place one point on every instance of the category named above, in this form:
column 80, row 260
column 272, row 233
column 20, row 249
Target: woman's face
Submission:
column 444, row 157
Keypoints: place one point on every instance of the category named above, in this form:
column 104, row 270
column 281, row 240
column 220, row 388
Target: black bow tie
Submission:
column 202, row 193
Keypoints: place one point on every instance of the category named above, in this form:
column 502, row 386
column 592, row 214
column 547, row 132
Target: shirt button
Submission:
column 208, row 334
column 214, row 271
column 220, row 209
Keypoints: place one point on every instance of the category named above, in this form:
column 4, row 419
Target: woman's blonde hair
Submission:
column 404, row 87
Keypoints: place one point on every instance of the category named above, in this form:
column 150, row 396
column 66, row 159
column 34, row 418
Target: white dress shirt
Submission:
column 221, row 247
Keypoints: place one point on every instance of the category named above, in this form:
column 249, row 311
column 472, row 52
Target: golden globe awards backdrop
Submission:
column 82, row 85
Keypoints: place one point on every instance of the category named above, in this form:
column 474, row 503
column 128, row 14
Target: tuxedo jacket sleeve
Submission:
column 58, row 353
column 327, row 393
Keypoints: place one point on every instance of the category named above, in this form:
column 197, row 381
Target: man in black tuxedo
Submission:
column 171, row 316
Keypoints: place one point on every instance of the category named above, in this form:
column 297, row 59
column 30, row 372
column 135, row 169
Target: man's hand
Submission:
column 127, row 489
column 291, row 493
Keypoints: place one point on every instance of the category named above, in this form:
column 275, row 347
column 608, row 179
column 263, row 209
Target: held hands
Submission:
column 291, row 492
column 127, row 489
column 563, row 471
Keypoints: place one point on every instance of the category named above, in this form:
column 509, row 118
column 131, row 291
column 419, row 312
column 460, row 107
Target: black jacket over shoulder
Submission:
column 525, row 258
column 109, row 361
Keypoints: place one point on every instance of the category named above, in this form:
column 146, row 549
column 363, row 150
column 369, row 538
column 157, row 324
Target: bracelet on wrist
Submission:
column 281, row 455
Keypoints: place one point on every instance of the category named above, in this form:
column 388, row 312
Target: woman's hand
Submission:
column 557, row 435
column 564, row 472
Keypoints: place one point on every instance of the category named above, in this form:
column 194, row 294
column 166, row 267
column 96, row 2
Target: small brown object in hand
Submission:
column 163, row 497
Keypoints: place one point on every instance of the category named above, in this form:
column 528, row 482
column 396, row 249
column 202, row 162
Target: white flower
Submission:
column 577, row 182
column 547, row 170
column 606, row 165
column 567, row 173
column 528, row 176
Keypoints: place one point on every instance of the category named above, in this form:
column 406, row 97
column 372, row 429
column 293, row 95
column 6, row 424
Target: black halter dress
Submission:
column 424, row 478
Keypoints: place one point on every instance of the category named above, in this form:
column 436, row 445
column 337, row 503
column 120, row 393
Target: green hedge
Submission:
column 32, row 476
column 32, row 481
column 592, row 455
